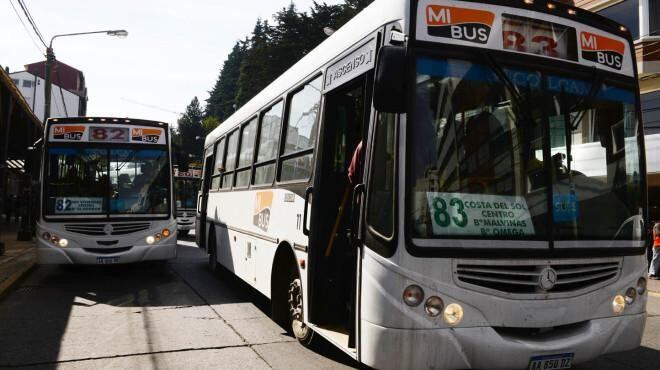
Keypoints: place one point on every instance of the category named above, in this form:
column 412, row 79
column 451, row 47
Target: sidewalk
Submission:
column 18, row 258
column 653, row 286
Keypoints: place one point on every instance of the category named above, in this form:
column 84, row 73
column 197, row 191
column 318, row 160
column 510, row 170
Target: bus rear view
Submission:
column 106, row 192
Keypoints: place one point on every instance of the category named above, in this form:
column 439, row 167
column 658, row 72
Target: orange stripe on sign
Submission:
column 437, row 15
column 593, row 42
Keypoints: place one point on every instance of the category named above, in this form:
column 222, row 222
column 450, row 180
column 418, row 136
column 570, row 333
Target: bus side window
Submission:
column 217, row 168
column 300, row 132
column 380, row 210
column 267, row 145
column 230, row 160
column 246, row 153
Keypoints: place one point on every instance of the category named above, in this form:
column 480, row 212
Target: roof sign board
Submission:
column 354, row 64
column 106, row 133
column 522, row 31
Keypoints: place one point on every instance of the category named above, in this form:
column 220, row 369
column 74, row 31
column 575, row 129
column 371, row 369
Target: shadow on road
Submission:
column 70, row 314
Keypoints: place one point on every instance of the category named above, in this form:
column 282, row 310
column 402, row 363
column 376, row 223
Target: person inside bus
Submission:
column 654, row 267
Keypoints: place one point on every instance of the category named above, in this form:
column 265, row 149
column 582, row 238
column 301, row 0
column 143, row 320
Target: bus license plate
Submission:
column 551, row 362
column 107, row 260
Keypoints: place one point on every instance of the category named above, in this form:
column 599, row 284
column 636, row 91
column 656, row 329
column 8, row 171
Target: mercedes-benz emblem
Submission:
column 547, row 278
column 108, row 229
column 185, row 214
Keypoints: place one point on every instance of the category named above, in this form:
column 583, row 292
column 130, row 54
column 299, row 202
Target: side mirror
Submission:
column 389, row 84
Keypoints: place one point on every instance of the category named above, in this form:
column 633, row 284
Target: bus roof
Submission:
column 109, row 120
column 379, row 13
column 375, row 15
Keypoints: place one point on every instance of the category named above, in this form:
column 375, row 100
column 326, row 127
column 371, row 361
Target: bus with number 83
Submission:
column 106, row 192
column 443, row 184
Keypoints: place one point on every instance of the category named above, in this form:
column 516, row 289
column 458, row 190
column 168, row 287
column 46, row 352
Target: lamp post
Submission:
column 50, row 60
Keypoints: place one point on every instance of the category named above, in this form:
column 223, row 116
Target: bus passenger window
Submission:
column 230, row 160
column 301, row 132
column 246, row 153
column 271, row 121
column 218, row 169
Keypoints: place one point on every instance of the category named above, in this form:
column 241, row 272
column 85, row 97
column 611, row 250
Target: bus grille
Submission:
column 188, row 212
column 524, row 278
column 100, row 229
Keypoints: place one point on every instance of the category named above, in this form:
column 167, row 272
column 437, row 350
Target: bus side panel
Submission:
column 249, row 227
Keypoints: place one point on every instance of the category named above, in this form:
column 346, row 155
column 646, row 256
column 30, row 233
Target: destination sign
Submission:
column 522, row 31
column 78, row 205
column 106, row 133
column 479, row 214
column 354, row 64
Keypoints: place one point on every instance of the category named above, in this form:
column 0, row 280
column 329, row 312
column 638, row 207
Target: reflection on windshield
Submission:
column 139, row 180
column 481, row 165
column 97, row 181
column 185, row 190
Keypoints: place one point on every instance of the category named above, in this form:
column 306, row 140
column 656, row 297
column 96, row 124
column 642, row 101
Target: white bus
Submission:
column 106, row 192
column 186, row 187
column 495, row 215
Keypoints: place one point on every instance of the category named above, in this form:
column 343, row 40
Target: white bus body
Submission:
column 106, row 192
column 503, row 250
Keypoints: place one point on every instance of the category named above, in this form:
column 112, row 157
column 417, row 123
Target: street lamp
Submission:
column 50, row 59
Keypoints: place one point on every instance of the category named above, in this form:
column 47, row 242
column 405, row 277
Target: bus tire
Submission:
column 214, row 266
column 303, row 333
column 183, row 232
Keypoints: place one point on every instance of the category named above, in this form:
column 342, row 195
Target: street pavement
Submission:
column 178, row 315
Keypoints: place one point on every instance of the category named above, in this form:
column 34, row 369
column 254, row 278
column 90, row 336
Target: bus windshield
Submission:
column 510, row 152
column 185, row 191
column 102, row 181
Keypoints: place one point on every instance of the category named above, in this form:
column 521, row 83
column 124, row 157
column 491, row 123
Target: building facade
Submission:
column 64, row 103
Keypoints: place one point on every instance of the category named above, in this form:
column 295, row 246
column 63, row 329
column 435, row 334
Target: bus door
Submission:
column 202, row 200
column 333, row 259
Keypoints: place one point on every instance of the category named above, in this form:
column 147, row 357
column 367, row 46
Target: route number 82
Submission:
column 441, row 214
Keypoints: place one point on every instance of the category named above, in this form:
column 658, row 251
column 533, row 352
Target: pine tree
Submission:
column 190, row 127
column 222, row 98
column 255, row 73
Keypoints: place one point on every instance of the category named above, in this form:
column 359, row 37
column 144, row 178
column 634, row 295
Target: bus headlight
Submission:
column 63, row 243
column 631, row 294
column 433, row 306
column 453, row 314
column 166, row 233
column 150, row 239
column 46, row 237
column 618, row 304
column 413, row 295
column 641, row 286
column 158, row 237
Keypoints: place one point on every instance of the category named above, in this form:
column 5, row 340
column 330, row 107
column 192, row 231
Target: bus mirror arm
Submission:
column 308, row 192
column 355, row 234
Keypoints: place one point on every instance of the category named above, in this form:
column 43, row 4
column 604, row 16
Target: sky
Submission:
column 173, row 52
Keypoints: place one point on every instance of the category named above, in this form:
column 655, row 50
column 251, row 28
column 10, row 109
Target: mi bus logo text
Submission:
column 459, row 23
column 602, row 50
column 262, row 205
column 145, row 135
column 68, row 132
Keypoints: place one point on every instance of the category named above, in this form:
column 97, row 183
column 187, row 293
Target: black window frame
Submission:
column 225, row 173
column 257, row 143
column 220, row 141
column 249, row 166
column 281, row 158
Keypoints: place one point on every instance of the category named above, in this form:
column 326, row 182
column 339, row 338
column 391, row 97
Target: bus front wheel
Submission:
column 300, row 330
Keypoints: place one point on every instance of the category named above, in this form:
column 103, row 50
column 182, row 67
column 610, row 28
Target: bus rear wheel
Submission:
column 300, row 330
column 214, row 266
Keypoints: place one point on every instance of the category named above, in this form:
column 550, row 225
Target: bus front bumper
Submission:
column 49, row 254
column 486, row 348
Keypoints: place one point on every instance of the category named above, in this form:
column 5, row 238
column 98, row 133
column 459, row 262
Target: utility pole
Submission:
column 50, row 61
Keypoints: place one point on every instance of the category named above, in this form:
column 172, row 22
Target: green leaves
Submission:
column 271, row 49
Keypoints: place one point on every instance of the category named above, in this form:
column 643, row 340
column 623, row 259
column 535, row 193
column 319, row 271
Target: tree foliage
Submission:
column 272, row 49
column 190, row 129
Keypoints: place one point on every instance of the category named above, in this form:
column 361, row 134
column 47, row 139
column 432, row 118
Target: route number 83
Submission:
column 441, row 214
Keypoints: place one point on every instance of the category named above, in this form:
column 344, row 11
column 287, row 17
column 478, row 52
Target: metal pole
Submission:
column 50, row 60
